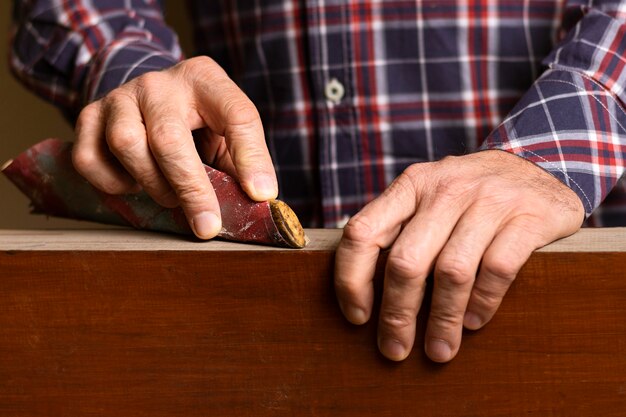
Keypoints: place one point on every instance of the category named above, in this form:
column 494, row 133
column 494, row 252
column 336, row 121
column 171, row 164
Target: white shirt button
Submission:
column 334, row 91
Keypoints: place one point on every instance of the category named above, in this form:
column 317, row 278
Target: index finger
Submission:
column 172, row 145
column 374, row 228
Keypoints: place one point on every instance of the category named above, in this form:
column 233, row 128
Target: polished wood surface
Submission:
column 137, row 324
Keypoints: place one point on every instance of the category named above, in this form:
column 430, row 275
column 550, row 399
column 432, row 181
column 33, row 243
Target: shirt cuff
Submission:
column 123, row 60
column 571, row 126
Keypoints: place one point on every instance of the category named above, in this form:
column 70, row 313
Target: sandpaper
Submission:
column 46, row 175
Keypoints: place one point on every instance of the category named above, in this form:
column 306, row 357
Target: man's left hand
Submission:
column 474, row 220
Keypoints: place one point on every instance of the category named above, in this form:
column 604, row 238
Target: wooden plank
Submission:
column 123, row 239
column 121, row 322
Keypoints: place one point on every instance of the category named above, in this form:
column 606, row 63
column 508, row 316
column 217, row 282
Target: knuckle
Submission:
column 413, row 177
column 83, row 159
column 192, row 194
column 203, row 74
column 501, row 268
column 118, row 95
column 449, row 160
column 147, row 90
column 423, row 170
column 446, row 318
column 239, row 112
column 405, row 265
column 486, row 298
column 414, row 171
column 360, row 229
column 122, row 138
column 166, row 133
column 166, row 138
column 198, row 63
column 455, row 271
column 405, row 182
column 149, row 81
column 397, row 319
column 89, row 114
column 252, row 158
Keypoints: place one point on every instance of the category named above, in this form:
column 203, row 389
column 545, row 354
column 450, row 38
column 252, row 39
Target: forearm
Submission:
column 73, row 52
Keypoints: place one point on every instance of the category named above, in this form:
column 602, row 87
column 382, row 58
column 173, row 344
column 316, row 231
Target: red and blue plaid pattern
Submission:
column 421, row 80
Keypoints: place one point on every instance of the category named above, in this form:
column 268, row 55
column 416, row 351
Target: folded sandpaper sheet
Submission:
column 46, row 175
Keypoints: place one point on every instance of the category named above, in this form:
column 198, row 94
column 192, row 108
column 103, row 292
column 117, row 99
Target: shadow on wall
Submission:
column 26, row 119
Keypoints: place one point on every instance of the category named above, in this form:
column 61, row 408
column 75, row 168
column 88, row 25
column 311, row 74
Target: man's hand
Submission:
column 140, row 135
column 474, row 220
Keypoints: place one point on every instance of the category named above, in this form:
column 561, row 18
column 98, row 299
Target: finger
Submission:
column 228, row 112
column 171, row 143
column 375, row 227
column 455, row 273
column 91, row 157
column 501, row 262
column 127, row 139
column 409, row 263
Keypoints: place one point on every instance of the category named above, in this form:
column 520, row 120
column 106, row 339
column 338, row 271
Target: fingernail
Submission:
column 472, row 320
column 206, row 225
column 356, row 315
column 265, row 186
column 438, row 350
column 392, row 349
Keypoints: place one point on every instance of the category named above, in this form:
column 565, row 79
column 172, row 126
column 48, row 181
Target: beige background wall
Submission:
column 25, row 120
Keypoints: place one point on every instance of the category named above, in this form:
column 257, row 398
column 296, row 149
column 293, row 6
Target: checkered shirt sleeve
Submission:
column 572, row 121
column 72, row 52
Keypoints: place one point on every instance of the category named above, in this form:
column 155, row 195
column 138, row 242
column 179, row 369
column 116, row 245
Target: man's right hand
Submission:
column 140, row 135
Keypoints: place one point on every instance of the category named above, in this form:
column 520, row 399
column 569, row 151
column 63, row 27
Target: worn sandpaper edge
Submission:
column 287, row 223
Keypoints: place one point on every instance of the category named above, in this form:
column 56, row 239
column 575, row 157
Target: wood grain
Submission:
column 138, row 324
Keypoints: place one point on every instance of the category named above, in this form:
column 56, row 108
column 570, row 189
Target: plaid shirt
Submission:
column 352, row 92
